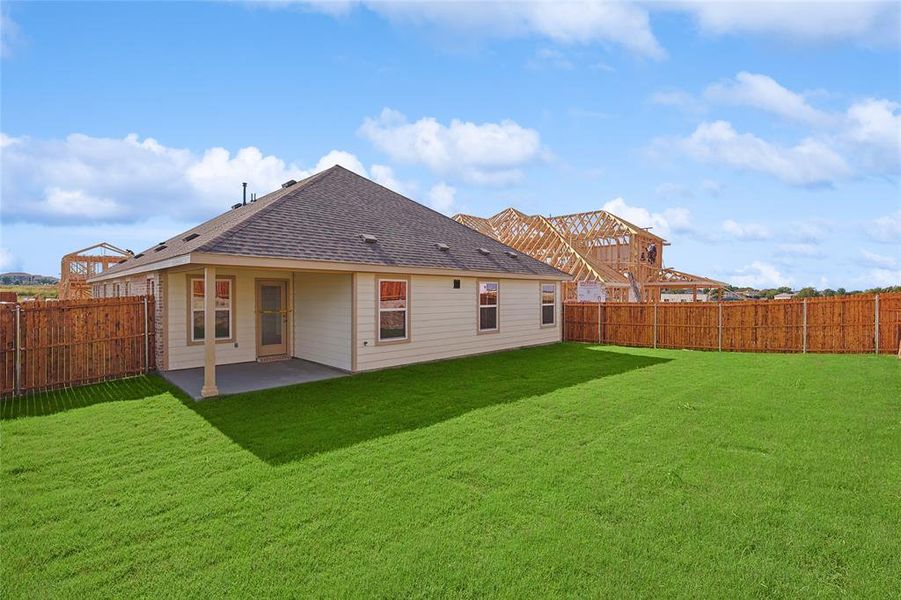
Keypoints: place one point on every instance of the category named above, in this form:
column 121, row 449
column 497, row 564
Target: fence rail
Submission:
column 861, row 323
column 51, row 344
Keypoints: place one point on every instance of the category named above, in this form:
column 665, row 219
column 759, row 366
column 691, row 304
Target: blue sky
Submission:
column 762, row 140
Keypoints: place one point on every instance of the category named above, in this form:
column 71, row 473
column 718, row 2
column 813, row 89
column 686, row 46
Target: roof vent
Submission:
column 139, row 255
column 510, row 253
column 289, row 183
column 238, row 205
column 484, row 251
column 190, row 236
column 369, row 239
column 442, row 247
column 160, row 247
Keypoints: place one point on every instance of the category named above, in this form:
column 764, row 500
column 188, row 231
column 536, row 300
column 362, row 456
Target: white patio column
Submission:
column 209, row 333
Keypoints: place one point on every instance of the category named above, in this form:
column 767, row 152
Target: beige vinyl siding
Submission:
column 322, row 318
column 181, row 355
column 443, row 321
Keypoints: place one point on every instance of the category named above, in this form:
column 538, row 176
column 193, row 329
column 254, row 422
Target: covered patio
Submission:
column 252, row 376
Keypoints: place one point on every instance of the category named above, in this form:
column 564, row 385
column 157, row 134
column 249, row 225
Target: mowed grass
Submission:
column 565, row 470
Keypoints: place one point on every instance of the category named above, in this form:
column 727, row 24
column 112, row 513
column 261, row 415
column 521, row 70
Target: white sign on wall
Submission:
column 591, row 291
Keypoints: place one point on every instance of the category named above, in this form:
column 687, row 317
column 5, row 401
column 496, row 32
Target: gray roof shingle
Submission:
column 323, row 217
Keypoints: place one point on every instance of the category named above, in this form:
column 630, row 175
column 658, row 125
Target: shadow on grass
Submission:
column 287, row 424
column 48, row 403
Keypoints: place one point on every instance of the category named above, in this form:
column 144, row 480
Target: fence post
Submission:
column 599, row 323
column 877, row 323
column 655, row 325
column 17, row 390
column 804, row 328
column 146, row 338
column 719, row 324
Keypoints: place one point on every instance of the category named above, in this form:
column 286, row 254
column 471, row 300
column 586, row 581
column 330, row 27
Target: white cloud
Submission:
column 482, row 154
column 886, row 229
column 8, row 261
column 671, row 220
column 868, row 132
column 765, row 93
column 874, row 126
column 77, row 203
column 340, row 157
column 800, row 249
column 758, row 274
column 10, row 34
column 808, row 163
column 384, row 175
column 884, row 277
column 878, row 260
column 566, row 22
column 130, row 179
column 868, row 23
column 441, row 197
column 627, row 24
column 746, row 231
column 810, row 232
column 215, row 179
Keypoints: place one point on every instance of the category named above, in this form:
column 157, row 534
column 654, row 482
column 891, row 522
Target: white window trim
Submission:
column 380, row 310
column 496, row 306
column 192, row 310
column 553, row 304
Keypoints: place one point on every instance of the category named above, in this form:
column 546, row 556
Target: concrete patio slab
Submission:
column 252, row 376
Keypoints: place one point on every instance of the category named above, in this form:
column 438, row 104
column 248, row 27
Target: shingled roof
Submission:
column 324, row 217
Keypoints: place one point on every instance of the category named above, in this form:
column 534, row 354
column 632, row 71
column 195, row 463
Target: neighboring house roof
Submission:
column 323, row 217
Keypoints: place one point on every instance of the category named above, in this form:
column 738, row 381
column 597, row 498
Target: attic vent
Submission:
column 190, row 237
column 139, row 255
column 510, row 253
column 238, row 205
column 160, row 247
column 288, row 183
column 442, row 247
column 369, row 239
column 484, row 251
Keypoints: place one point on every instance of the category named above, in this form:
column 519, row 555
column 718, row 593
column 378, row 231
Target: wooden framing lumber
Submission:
column 593, row 246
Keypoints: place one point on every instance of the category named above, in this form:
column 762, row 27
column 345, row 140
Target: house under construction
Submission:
column 76, row 267
column 593, row 246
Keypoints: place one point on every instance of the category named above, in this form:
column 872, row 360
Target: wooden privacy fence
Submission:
column 862, row 323
column 52, row 344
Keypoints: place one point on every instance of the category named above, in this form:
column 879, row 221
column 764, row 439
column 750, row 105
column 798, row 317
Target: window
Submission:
column 392, row 309
column 223, row 309
column 488, row 305
column 116, row 288
column 148, row 288
column 548, row 303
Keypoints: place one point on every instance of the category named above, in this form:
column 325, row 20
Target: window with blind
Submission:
column 488, row 305
column 548, row 303
column 223, row 309
column 393, row 310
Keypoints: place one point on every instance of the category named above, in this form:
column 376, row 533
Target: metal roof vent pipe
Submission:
column 244, row 185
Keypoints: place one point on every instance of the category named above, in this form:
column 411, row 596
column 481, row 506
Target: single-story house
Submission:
column 338, row 270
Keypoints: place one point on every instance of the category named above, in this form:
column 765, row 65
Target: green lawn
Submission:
column 565, row 470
